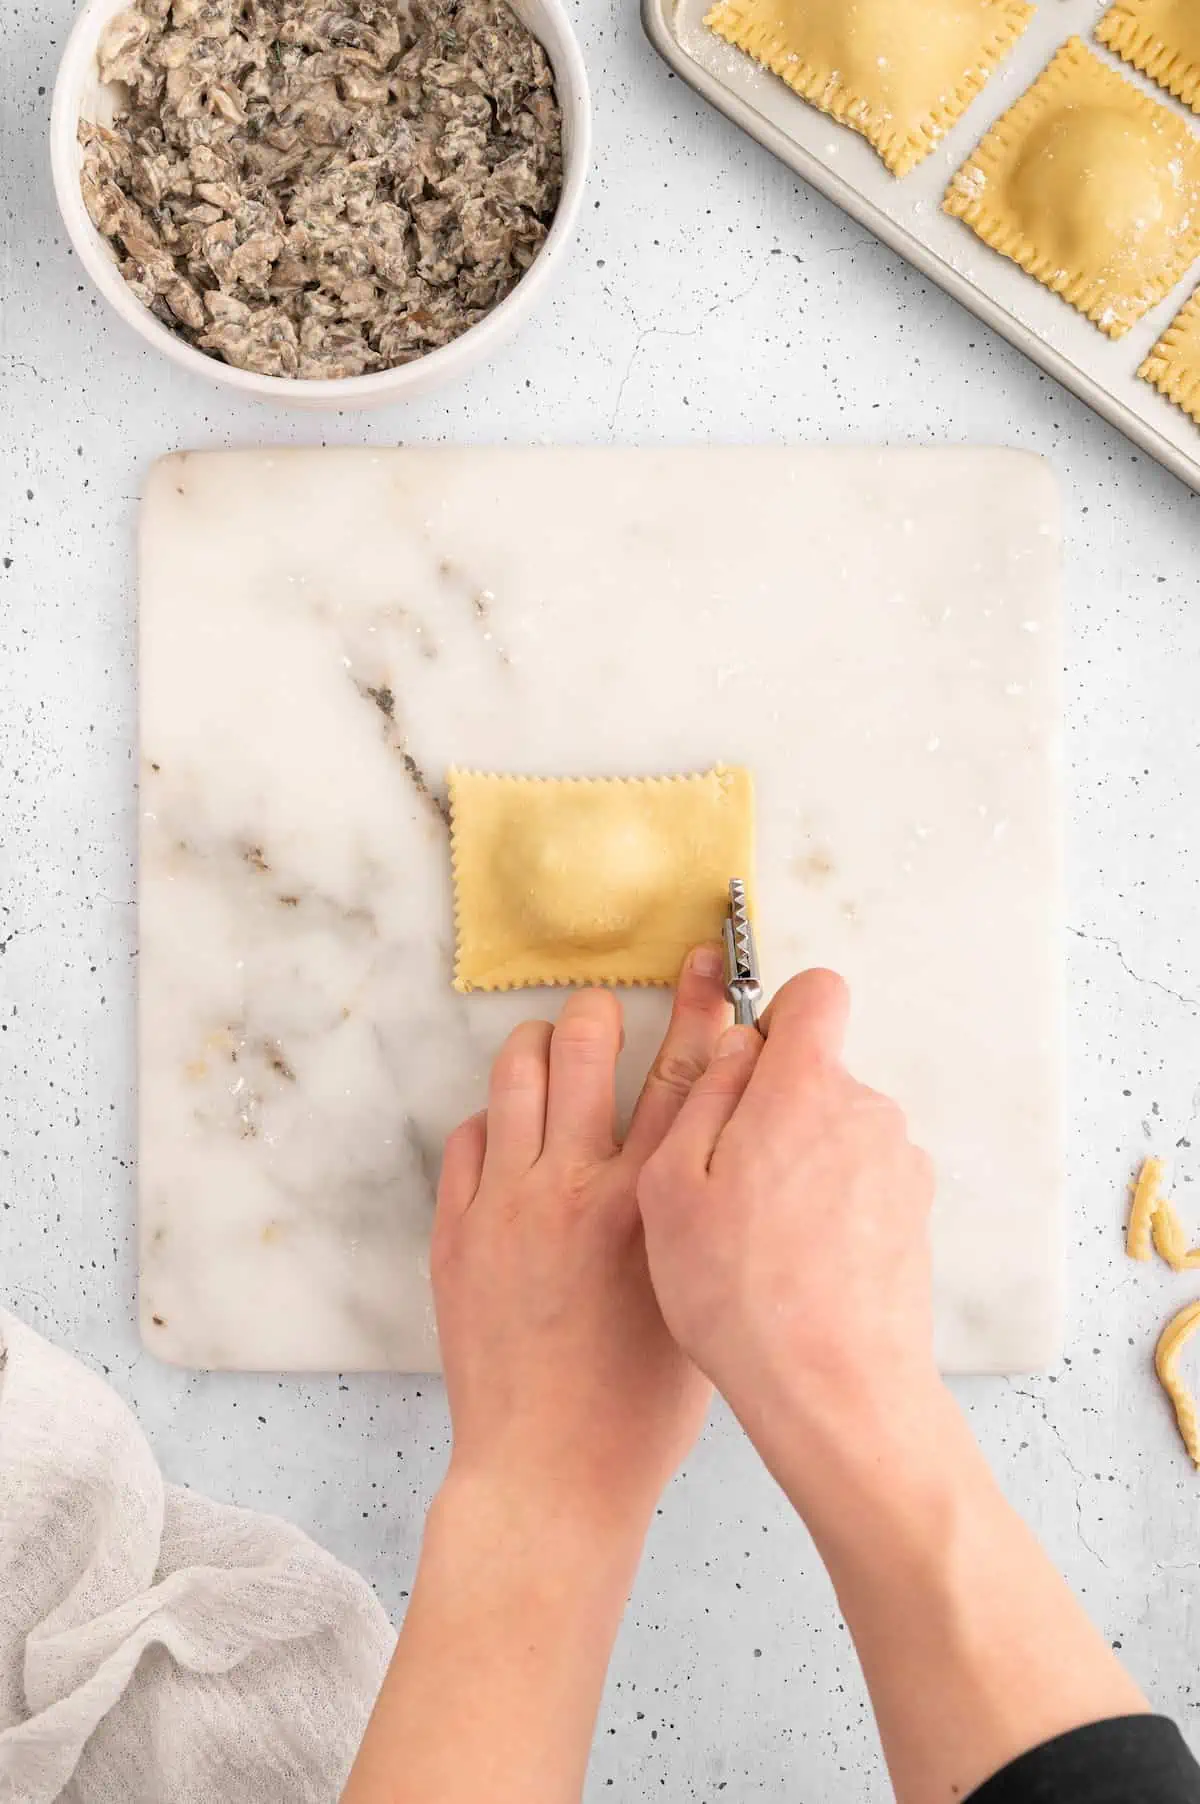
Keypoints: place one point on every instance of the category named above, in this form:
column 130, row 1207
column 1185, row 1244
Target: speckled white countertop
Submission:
column 710, row 297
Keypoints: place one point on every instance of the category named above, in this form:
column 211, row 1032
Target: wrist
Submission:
column 520, row 1526
column 851, row 1447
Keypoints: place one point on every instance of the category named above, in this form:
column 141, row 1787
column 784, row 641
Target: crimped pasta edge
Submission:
column 900, row 151
column 1171, row 373
column 1142, row 47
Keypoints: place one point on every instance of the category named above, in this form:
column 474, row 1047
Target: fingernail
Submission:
column 706, row 961
column 731, row 1041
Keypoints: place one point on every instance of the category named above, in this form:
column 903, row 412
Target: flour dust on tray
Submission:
column 323, row 188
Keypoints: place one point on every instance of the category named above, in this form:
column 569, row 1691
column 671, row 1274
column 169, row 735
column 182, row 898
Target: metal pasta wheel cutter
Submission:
column 743, row 984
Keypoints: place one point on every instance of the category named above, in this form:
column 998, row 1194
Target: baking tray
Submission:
column 906, row 213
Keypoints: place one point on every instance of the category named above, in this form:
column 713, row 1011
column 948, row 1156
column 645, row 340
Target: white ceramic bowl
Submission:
column 79, row 93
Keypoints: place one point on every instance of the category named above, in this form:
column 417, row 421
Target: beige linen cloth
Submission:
column 155, row 1647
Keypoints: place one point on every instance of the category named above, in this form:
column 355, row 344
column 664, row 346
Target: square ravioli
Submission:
column 898, row 71
column 607, row 880
column 1173, row 366
column 1162, row 39
column 1091, row 186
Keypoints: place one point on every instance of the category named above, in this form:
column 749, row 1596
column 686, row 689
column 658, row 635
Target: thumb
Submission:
column 808, row 1017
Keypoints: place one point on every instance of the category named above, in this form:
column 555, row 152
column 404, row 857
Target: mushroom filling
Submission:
column 322, row 188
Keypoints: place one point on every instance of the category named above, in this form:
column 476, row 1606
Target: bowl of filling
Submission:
column 328, row 203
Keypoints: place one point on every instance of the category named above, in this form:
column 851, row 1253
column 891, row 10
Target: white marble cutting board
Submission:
column 323, row 632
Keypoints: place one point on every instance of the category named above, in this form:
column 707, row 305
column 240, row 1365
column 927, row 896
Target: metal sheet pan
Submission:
column 906, row 214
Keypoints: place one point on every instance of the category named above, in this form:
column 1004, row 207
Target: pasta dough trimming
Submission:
column 1173, row 366
column 575, row 880
column 1167, row 1355
column 1146, row 1199
column 901, row 72
column 1153, row 1217
column 1091, row 186
column 1160, row 37
column 1170, row 1241
column 1154, row 1222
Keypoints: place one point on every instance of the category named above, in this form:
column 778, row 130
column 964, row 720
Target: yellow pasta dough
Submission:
column 1167, row 1355
column 1153, row 1218
column 898, row 71
column 1173, row 366
column 1091, row 186
column 1160, row 37
column 1154, row 1222
column 1170, row 1241
column 1167, row 1232
column 592, row 880
column 1146, row 1199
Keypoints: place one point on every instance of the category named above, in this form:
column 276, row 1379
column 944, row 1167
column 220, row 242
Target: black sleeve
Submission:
column 1128, row 1760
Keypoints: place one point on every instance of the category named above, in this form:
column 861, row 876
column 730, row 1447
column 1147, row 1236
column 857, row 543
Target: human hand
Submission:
column 786, row 1217
column 564, row 1385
